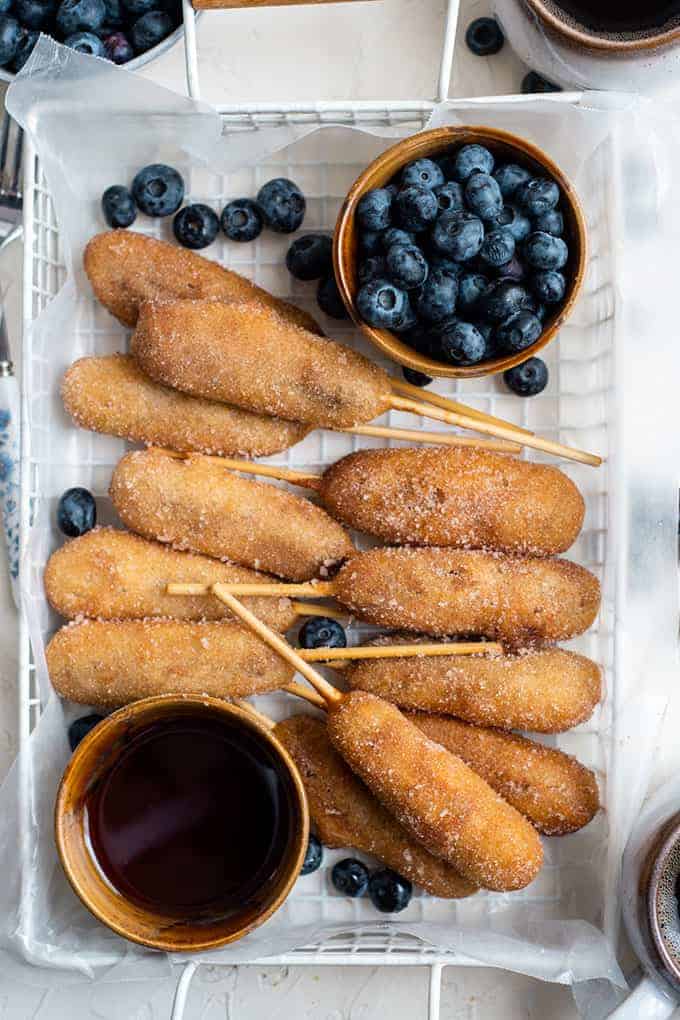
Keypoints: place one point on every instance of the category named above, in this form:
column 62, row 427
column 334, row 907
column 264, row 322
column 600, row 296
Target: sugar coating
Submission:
column 455, row 497
column 126, row 268
column 252, row 357
column 111, row 395
column 111, row 663
column 346, row 814
column 197, row 505
column 548, row 690
column 519, row 600
column 444, row 805
column 115, row 575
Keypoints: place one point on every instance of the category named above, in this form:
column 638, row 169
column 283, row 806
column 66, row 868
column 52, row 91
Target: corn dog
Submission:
column 196, row 504
column 250, row 356
column 451, row 591
column 547, row 691
column 111, row 395
column 115, row 575
column 126, row 268
column 345, row 813
column 441, row 802
column 553, row 790
column 107, row 664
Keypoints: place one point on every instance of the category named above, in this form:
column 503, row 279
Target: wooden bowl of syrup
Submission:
column 181, row 823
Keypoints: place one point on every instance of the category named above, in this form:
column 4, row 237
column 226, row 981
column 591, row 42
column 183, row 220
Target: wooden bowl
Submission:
column 92, row 761
column 506, row 148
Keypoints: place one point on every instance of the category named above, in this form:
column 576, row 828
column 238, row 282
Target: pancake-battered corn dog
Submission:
column 198, row 505
column 553, row 790
column 126, row 268
column 346, row 814
column 111, row 395
column 107, row 664
column 115, row 575
column 548, row 691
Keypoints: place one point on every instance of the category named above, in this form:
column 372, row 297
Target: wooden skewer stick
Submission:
column 415, row 393
column 436, row 438
column 299, row 608
column 401, row 651
column 503, row 432
column 307, row 693
column 251, row 710
column 324, row 589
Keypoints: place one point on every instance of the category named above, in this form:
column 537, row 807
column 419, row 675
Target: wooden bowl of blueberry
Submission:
column 460, row 251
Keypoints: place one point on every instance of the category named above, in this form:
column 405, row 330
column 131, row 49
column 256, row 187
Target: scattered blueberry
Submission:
column 313, row 857
column 543, row 251
column 498, row 247
column 423, row 172
column 550, row 222
column 406, row 266
column 118, row 48
column 34, row 14
column 86, row 42
column 483, row 196
column 416, row 207
column 535, row 82
column 389, row 892
column 76, row 512
column 149, row 30
column 515, row 221
column 374, row 209
column 310, row 257
column 242, row 220
column 283, row 205
column 350, row 877
column 459, row 235
column 518, row 332
column 10, row 39
column 471, row 286
column 537, row 196
column 158, row 189
column 394, row 235
column 80, row 16
column 196, row 226
column 437, row 298
column 471, row 158
column 484, row 37
column 322, row 632
column 461, row 343
column 329, row 299
column 371, row 242
column 80, row 728
column 383, row 305
column 502, row 299
column 549, row 286
column 416, row 378
column 450, row 197
column 118, row 206
column 26, row 43
column 509, row 177
column 527, row 379
column 370, row 268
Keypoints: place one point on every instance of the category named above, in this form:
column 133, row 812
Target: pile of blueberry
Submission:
column 461, row 257
column 389, row 892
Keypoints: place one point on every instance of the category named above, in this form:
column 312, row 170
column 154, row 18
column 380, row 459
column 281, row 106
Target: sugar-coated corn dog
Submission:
column 552, row 789
column 446, row 806
column 126, row 268
column 518, row 600
column 114, row 575
column 548, row 690
column 252, row 357
column 346, row 814
column 111, row 395
column 196, row 504
column 455, row 497
column 105, row 663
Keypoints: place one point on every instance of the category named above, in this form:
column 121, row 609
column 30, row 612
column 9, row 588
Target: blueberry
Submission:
column 459, row 235
column 393, row 235
column 423, row 172
column 461, row 343
column 310, row 257
column 543, row 251
column 550, row 222
column 35, row 14
column 158, row 189
column 450, row 197
column 471, row 158
column 329, row 299
column 322, row 632
column 80, row 16
column 242, row 220
column 383, row 305
column 437, row 299
column 283, row 205
column 513, row 270
column 118, row 206
column 149, row 30
column 196, row 226
column 484, row 37
column 313, row 857
column 416, row 207
column 370, row 268
column 471, row 286
column 438, row 261
column 498, row 247
column 76, row 512
column 374, row 209
column 136, row 8
column 535, row 82
column 118, row 48
column 86, row 42
column 502, row 299
column 80, row 728
column 527, row 379
column 389, row 891
column 483, row 196
column 486, row 329
column 350, row 877
column 24, row 50
column 509, row 177
column 416, row 378
column 549, row 286
column 371, row 242
column 10, row 39
column 407, row 266
column 515, row 221
column 537, row 196
column 518, row 332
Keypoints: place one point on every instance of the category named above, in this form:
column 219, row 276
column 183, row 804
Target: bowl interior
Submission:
column 506, row 148
column 654, row 30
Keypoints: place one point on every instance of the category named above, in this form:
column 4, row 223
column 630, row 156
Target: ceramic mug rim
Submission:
column 669, row 840
column 582, row 37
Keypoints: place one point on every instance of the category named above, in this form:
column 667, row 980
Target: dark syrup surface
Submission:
column 194, row 817
column 621, row 15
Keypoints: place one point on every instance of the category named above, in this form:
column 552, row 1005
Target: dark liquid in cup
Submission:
column 193, row 819
column 621, row 16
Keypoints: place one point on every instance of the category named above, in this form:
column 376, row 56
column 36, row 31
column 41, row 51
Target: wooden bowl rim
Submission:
column 374, row 176
column 590, row 40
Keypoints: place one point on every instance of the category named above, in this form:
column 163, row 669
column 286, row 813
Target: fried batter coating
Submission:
column 441, row 802
column 198, row 505
column 111, row 395
column 111, row 663
column 346, row 814
column 251, row 357
column 451, row 496
column 114, row 575
column 519, row 600
column 126, row 268
column 552, row 789
column 547, row 691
